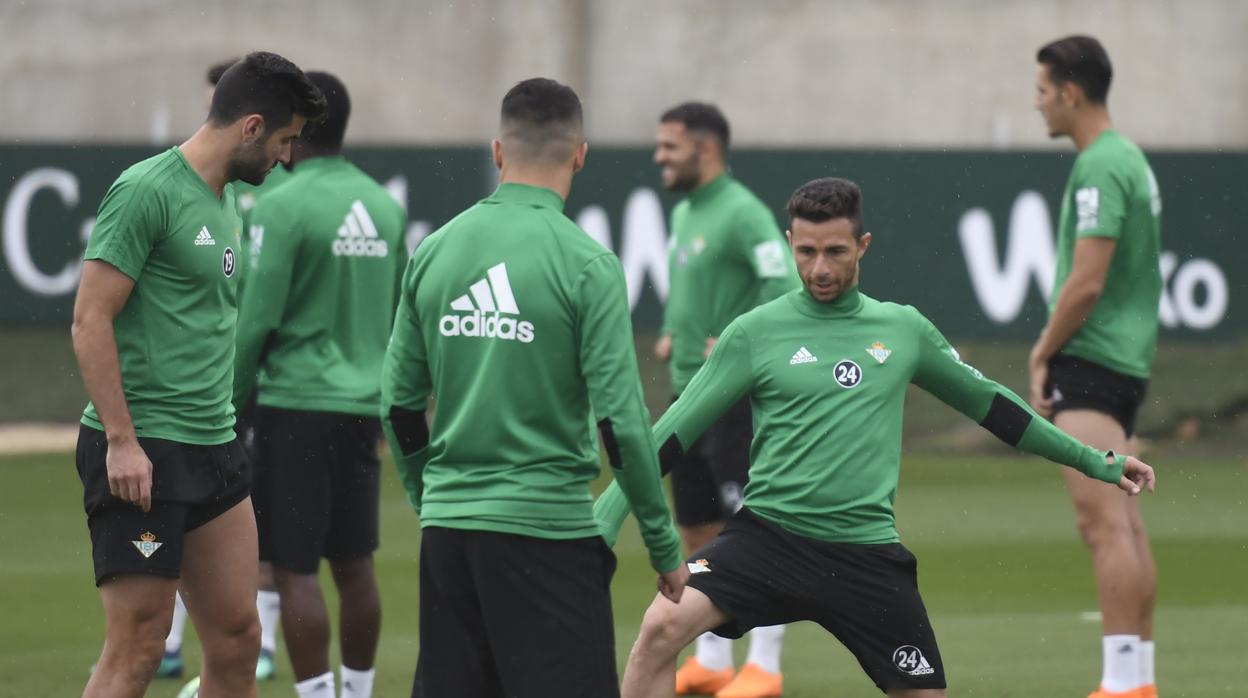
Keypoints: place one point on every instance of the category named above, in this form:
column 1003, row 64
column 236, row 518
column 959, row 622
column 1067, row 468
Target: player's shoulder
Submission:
column 1112, row 152
column 742, row 198
column 151, row 175
column 760, row 318
column 900, row 313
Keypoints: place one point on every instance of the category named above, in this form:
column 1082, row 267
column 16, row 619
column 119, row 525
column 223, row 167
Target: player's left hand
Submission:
column 1137, row 475
column 1038, row 370
column 672, row 584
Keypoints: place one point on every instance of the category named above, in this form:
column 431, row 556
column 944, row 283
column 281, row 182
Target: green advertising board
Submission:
column 968, row 237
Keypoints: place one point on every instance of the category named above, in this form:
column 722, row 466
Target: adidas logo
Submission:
column 357, row 236
column 803, row 356
column 204, row 237
column 491, row 301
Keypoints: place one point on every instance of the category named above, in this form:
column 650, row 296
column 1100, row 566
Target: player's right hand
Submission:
column 1136, row 475
column 672, row 584
column 663, row 348
column 129, row 473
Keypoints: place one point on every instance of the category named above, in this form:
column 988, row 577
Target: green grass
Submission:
column 1003, row 575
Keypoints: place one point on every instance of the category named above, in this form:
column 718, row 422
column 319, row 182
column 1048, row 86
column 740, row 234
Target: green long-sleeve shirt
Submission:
column 827, row 383
column 326, row 257
column 517, row 322
column 725, row 257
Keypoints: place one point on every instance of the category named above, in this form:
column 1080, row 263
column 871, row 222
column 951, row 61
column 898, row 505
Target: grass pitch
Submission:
column 1006, row 581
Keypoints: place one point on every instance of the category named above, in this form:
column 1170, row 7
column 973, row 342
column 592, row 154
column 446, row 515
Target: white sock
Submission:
column 173, row 643
column 317, row 687
column 356, row 683
column 1148, row 650
column 714, row 652
column 269, row 606
column 765, row 644
column 1120, row 655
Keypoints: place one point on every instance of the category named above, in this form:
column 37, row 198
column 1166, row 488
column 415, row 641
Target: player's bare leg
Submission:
column 138, row 610
column 710, row 668
column 219, row 572
column 305, row 623
column 269, row 610
column 359, row 611
column 1111, row 526
column 665, row 630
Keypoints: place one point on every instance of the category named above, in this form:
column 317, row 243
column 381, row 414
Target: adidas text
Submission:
column 204, row 237
column 358, row 237
column 496, row 326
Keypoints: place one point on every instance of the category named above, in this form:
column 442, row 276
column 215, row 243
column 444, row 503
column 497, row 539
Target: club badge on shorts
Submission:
column 147, row 545
column 700, row 565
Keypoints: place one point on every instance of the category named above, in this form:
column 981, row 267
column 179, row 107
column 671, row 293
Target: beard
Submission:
column 251, row 164
column 687, row 175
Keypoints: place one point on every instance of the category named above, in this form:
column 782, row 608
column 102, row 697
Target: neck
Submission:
column 1088, row 128
column 711, row 171
column 557, row 179
column 208, row 153
column 306, row 153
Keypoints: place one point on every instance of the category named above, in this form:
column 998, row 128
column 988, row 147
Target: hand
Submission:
column 672, row 584
column 663, row 348
column 129, row 473
column 710, row 344
column 1038, row 370
column 1136, row 475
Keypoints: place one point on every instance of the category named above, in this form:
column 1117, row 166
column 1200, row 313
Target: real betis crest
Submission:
column 147, row 545
column 879, row 353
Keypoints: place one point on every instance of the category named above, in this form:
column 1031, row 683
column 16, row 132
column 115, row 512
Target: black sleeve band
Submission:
column 410, row 429
column 1006, row 420
column 610, row 444
column 671, row 455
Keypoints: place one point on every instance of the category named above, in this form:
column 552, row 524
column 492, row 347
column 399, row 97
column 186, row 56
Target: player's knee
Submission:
column 1101, row 527
column 233, row 641
column 661, row 628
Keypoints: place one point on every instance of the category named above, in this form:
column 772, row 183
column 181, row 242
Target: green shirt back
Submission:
column 161, row 225
column 518, row 323
column 326, row 257
column 827, row 384
column 725, row 256
column 1112, row 193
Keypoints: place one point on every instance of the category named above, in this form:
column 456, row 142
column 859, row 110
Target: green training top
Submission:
column 827, row 382
column 328, row 256
column 161, row 225
column 518, row 322
column 1112, row 193
column 725, row 256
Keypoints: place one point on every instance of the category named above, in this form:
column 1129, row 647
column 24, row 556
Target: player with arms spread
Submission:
column 1091, row 365
column 826, row 369
column 518, row 323
column 165, row 484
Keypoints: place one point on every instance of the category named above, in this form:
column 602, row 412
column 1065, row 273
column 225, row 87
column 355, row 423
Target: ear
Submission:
column 253, row 128
column 578, row 160
column 1071, row 93
column 788, row 235
column 863, row 243
column 496, row 149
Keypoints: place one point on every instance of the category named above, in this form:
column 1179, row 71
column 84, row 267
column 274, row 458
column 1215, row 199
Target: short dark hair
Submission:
column 216, row 70
column 266, row 84
column 702, row 117
column 824, row 199
column 543, row 118
column 327, row 135
column 1081, row 60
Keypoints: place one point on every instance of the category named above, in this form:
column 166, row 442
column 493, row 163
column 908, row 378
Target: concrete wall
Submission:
column 915, row 73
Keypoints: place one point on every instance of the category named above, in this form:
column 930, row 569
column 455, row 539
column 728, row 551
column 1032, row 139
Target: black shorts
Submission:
column 191, row 485
column 866, row 595
column 513, row 616
column 708, row 479
column 318, row 483
column 1079, row 384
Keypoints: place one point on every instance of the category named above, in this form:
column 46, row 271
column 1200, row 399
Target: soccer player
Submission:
column 1091, row 365
column 171, row 665
column 826, row 369
column 726, row 256
column 165, row 487
column 518, row 322
column 313, row 324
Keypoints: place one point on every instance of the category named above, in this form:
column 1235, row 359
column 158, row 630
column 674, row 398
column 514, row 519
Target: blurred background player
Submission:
column 816, row 538
column 518, row 322
column 313, row 328
column 157, row 453
column 1091, row 365
column 171, row 664
column 726, row 256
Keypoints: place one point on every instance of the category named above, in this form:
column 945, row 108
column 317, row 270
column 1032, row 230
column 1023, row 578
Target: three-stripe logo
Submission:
column 487, row 305
column 358, row 237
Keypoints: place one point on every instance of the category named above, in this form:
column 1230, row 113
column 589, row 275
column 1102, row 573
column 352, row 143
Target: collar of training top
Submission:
column 710, row 189
column 849, row 303
column 514, row 193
